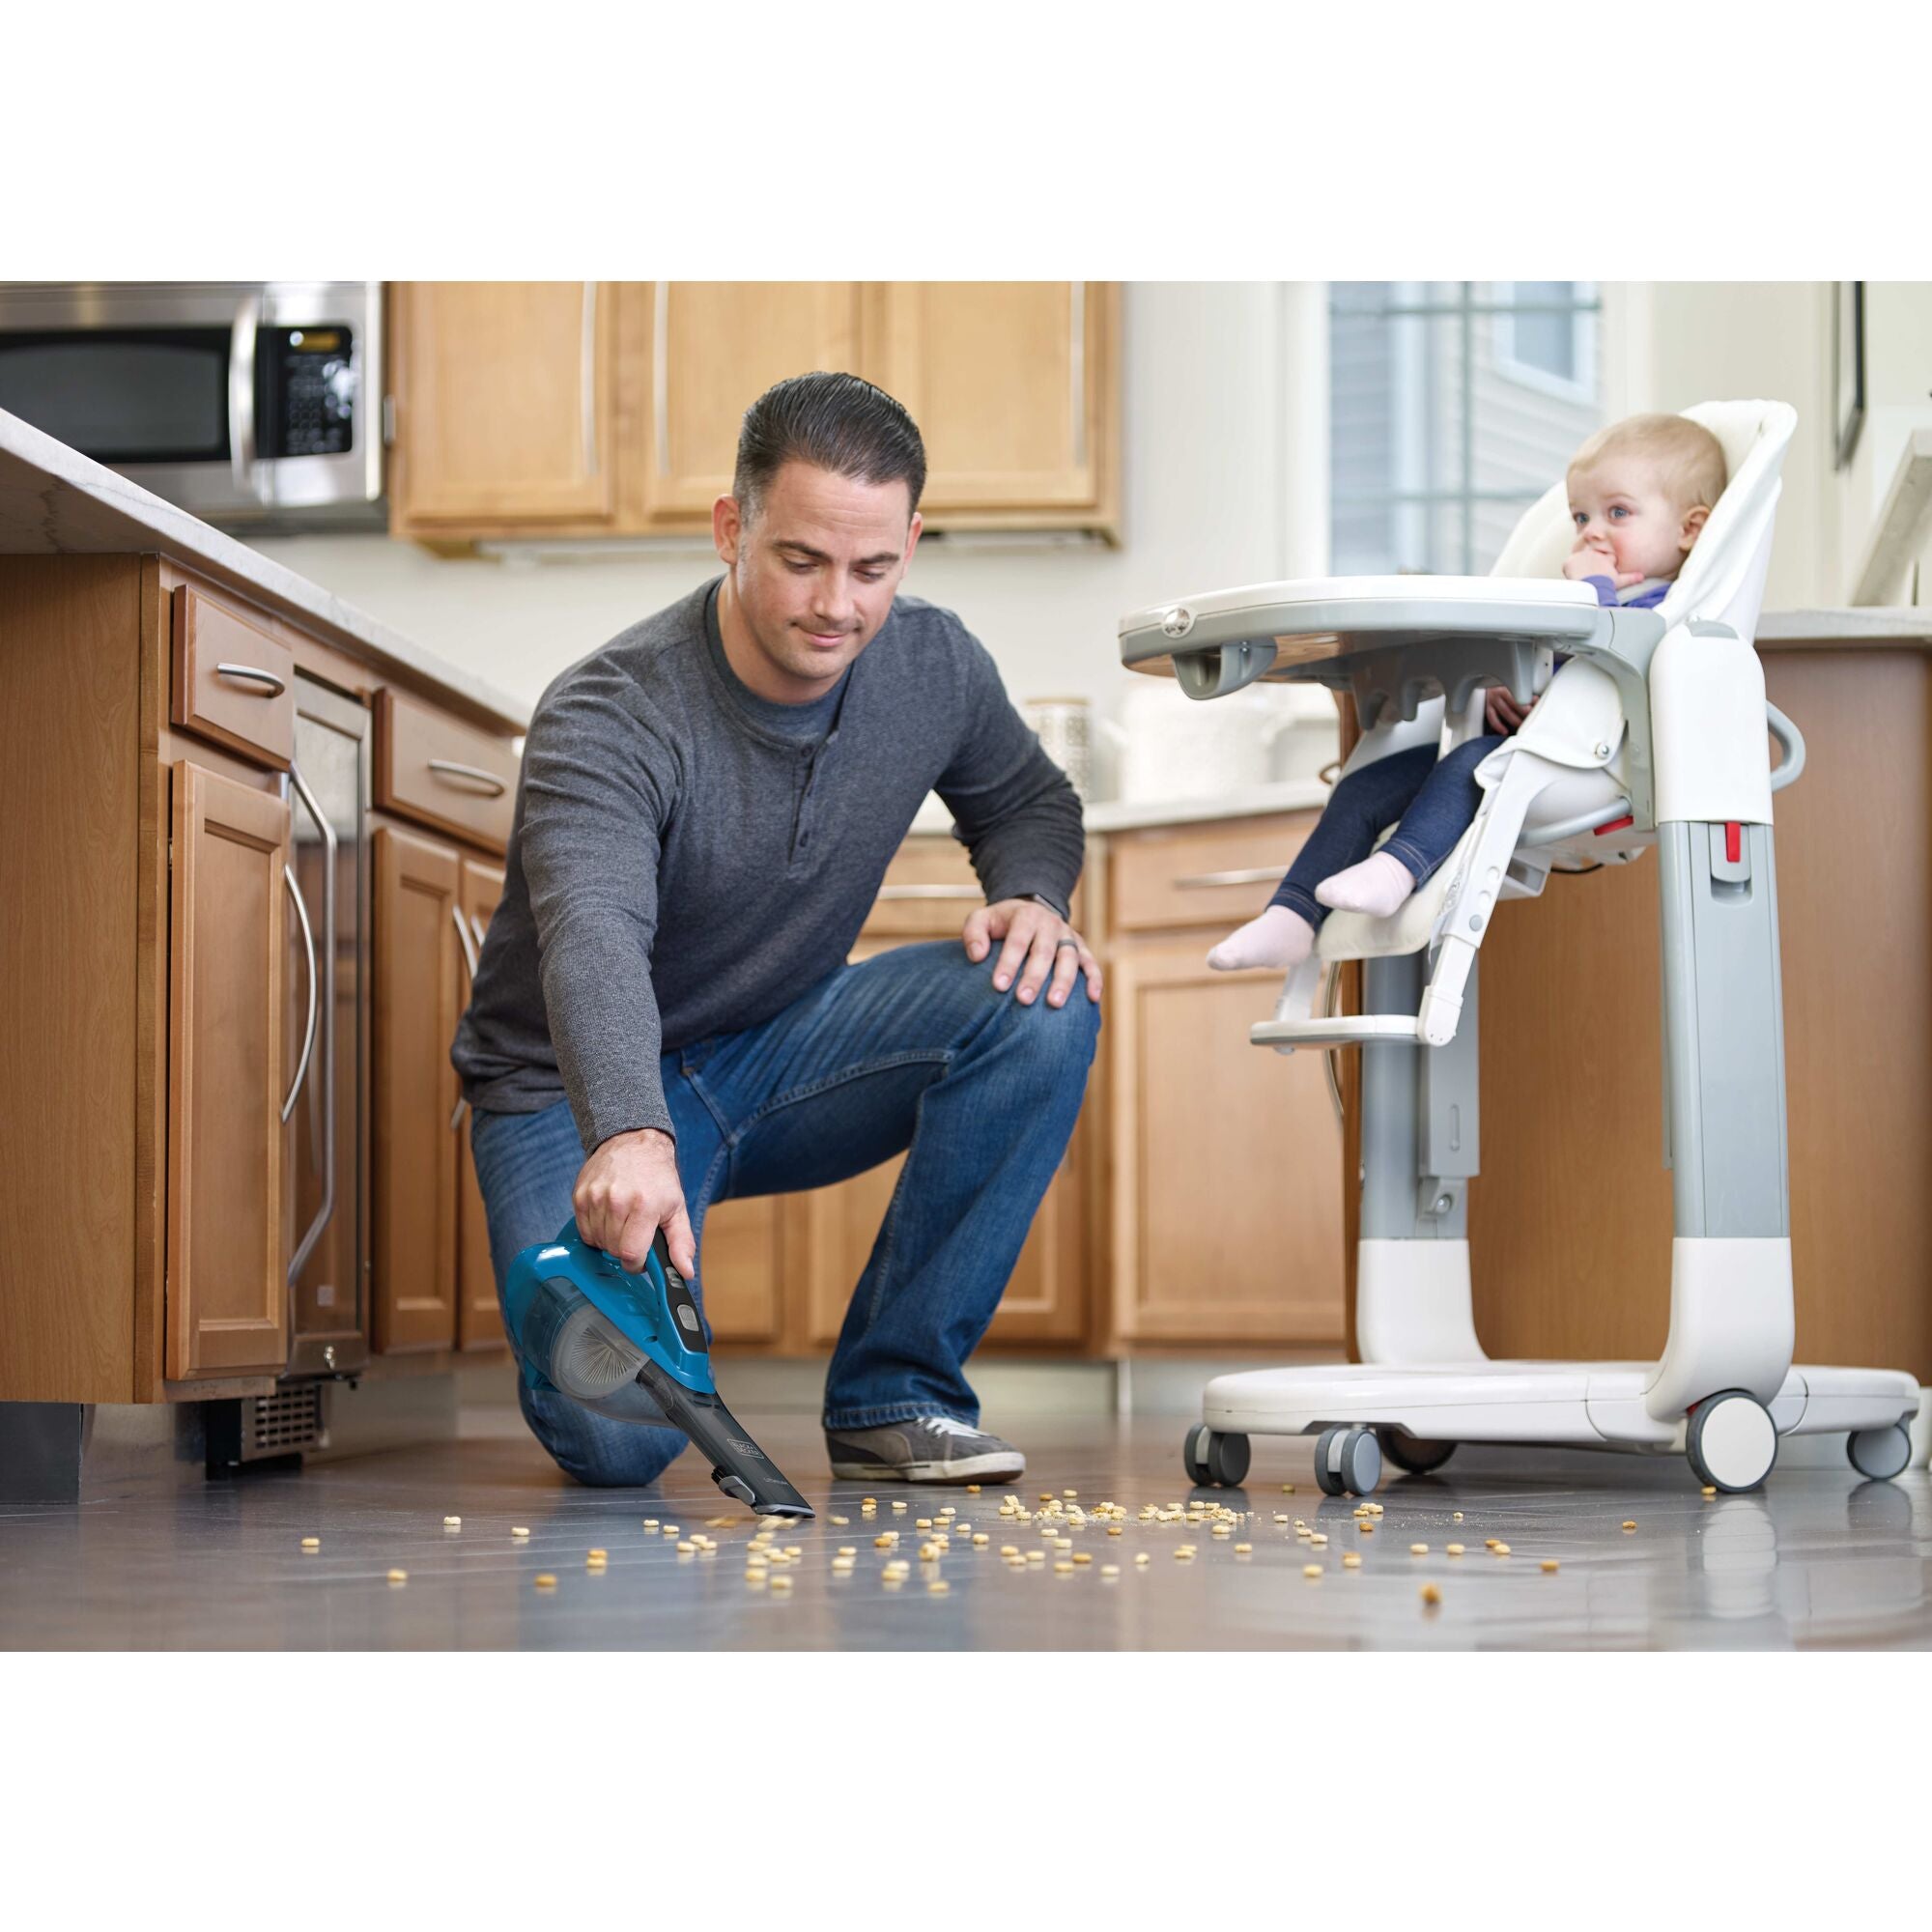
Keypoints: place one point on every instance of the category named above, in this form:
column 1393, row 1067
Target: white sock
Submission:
column 1378, row 886
column 1277, row 937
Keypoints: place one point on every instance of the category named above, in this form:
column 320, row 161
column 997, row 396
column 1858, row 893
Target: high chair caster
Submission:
column 1347, row 1461
column 1413, row 1455
column 1213, row 1460
column 1732, row 1442
column 1879, row 1453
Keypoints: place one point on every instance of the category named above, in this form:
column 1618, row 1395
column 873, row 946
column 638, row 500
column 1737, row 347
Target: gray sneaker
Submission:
column 927, row 1449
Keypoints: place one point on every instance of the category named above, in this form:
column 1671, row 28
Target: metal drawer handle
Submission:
column 308, row 1036
column 448, row 768
column 1247, row 875
column 929, row 892
column 249, row 674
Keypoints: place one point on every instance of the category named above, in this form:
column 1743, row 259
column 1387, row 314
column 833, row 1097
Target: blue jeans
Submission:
column 1434, row 799
column 913, row 1052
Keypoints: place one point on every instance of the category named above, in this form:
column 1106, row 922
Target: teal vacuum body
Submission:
column 631, row 1347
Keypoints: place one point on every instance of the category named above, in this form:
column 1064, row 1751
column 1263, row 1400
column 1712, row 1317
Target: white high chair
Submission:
column 1653, row 734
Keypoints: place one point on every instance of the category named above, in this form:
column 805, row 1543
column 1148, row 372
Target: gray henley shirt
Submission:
column 680, row 867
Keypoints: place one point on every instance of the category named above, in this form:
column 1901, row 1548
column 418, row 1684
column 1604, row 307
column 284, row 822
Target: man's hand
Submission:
column 626, row 1191
column 1594, row 559
column 1039, row 945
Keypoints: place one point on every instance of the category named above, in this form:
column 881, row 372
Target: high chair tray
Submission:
column 1311, row 619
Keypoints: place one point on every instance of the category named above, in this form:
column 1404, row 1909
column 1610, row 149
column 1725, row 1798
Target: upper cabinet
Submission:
column 505, row 407
column 702, row 351
column 1013, row 386
column 553, row 410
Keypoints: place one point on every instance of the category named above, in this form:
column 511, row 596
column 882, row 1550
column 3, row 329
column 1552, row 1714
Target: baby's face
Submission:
column 1621, row 507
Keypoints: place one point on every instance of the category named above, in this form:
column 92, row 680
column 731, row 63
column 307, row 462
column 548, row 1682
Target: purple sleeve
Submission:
column 1605, row 589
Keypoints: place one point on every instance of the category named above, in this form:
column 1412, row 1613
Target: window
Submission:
column 1453, row 406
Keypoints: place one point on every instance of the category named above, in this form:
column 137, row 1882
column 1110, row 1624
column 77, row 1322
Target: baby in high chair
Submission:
column 1641, row 492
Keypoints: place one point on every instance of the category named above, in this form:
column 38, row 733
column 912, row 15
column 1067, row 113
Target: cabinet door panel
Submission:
column 227, row 1293
column 505, row 404
column 715, row 347
column 739, row 1270
column 1008, row 384
column 1227, row 1205
column 479, row 1319
column 413, row 1021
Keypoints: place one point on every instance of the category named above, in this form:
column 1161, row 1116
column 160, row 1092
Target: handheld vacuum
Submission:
column 631, row 1347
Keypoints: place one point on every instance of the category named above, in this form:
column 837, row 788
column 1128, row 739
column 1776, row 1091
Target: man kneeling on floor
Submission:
column 664, row 1016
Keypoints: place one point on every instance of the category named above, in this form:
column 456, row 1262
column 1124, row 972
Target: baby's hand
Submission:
column 1588, row 559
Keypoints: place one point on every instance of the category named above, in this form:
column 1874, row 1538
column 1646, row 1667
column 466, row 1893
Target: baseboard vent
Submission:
column 257, row 1428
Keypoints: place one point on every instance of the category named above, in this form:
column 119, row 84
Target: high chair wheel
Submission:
column 1879, row 1453
column 1215, row 1458
column 1347, row 1461
column 1329, row 1479
column 1732, row 1441
column 1412, row 1455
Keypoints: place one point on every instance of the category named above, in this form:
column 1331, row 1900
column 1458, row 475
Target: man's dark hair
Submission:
column 838, row 423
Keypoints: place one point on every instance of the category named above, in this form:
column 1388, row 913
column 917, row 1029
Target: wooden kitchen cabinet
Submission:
column 567, row 410
column 1225, row 1208
column 1014, row 387
column 479, row 1319
column 418, row 958
column 707, row 349
column 505, row 407
column 227, row 1265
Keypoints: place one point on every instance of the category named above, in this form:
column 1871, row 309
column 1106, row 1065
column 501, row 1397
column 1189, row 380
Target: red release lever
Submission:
column 1733, row 842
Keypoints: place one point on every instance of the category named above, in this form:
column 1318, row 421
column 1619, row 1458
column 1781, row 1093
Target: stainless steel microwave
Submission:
column 245, row 403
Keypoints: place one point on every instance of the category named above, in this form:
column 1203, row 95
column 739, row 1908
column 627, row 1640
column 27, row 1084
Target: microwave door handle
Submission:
column 328, row 1206
column 242, row 449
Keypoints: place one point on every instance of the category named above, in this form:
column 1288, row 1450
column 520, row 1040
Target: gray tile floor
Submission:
column 1818, row 1560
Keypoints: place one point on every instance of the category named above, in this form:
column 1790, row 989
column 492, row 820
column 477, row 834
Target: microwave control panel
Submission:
column 309, row 382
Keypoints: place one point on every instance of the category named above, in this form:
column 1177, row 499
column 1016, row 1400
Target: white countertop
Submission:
column 55, row 500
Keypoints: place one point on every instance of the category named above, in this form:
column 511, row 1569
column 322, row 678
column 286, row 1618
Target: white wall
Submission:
column 1702, row 341
column 1225, row 481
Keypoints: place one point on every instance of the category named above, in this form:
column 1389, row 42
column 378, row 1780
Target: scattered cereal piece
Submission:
column 519, row 1532
column 780, row 1581
column 1430, row 1595
column 972, row 1488
column 1141, row 1559
column 1489, row 1542
column 452, row 1522
column 1629, row 1525
column 1287, row 1489
column 1366, row 1527
column 650, row 1523
column 597, row 1557
column 311, row 1543
column 1311, row 1568
column 1549, row 1564
column 1501, row 1550
column 1709, row 1490
column 1454, row 1549
column 883, row 1542
column 1036, row 1557
column 981, row 1539
column 1083, row 1556
column 1244, row 1549
column 1351, row 1560
column 543, row 1579
column 1069, row 1494
column 1458, row 1515
column 1063, row 1568
column 1418, row 1549
column 399, row 1575
column 1110, row 1569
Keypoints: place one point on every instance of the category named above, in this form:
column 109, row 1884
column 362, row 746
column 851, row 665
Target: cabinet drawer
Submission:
column 232, row 681
column 1214, row 874
column 928, row 890
column 444, row 774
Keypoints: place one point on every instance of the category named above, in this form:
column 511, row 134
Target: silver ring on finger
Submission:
column 1059, row 943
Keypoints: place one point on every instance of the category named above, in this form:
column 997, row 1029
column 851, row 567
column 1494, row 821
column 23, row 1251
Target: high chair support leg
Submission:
column 1419, row 1148
column 1731, row 1316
